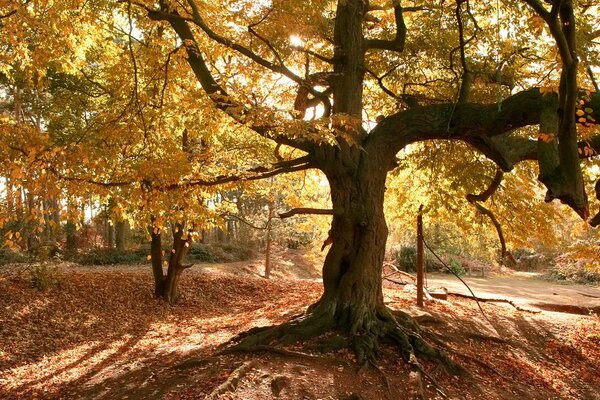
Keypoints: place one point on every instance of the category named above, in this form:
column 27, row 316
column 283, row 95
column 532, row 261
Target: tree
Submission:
column 356, row 159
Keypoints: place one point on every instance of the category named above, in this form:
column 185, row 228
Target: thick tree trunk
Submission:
column 352, row 269
column 171, row 283
column 352, row 300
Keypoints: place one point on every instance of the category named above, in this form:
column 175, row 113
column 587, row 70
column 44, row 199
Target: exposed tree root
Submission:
column 281, row 351
column 476, row 360
column 231, row 383
column 361, row 329
column 388, row 387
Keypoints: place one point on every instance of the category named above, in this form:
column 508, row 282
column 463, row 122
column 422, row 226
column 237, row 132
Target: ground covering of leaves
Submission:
column 101, row 334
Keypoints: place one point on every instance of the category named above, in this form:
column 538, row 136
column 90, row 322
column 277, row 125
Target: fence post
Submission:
column 420, row 257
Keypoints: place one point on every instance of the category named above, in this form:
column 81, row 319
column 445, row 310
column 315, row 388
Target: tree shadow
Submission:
column 101, row 334
column 525, row 349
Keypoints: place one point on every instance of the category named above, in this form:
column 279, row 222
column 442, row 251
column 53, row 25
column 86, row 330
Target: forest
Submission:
column 308, row 199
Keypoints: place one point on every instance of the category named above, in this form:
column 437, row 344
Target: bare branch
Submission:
column 328, row 60
column 313, row 211
column 8, row 14
column 398, row 43
column 476, row 199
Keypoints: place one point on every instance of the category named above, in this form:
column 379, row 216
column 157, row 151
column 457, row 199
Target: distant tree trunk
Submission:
column 70, row 245
column 120, row 230
column 166, row 286
column 28, row 235
column 156, row 258
column 420, row 257
column 220, row 235
column 110, row 235
column 230, row 230
column 19, row 203
column 10, row 197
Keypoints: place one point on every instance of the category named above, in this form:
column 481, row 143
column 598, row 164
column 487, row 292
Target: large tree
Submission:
column 351, row 40
column 312, row 76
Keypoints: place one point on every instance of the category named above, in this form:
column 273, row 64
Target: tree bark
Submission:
column 420, row 257
column 70, row 245
column 10, row 196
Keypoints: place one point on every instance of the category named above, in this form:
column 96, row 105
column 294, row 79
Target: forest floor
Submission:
column 99, row 334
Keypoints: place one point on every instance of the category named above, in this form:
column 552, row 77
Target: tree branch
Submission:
column 313, row 211
column 484, row 196
column 204, row 76
column 399, row 40
column 278, row 68
column 486, row 127
column 251, row 175
column 491, row 189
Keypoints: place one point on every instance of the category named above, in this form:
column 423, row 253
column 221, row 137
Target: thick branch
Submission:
column 313, row 211
column 484, row 196
column 398, row 43
column 253, row 174
column 486, row 127
column 468, row 121
column 491, row 189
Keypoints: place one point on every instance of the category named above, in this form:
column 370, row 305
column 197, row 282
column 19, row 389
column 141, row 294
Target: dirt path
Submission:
column 523, row 291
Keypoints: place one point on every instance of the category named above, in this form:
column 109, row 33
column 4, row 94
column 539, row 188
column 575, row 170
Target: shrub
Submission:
column 111, row 256
column 8, row 256
column 573, row 270
column 44, row 276
column 456, row 267
column 406, row 259
column 201, row 252
column 219, row 252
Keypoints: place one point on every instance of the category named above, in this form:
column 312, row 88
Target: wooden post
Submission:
column 420, row 257
column 268, row 244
